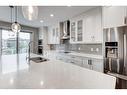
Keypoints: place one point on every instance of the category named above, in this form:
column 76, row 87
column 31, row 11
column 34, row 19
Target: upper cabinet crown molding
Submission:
column 114, row 16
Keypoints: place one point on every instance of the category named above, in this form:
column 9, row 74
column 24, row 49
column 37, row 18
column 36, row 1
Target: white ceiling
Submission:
column 61, row 13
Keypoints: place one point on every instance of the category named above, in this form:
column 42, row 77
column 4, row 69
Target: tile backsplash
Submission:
column 84, row 48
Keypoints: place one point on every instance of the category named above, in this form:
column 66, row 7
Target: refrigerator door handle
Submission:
column 125, row 46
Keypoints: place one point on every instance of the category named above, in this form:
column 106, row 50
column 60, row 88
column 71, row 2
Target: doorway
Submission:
column 13, row 43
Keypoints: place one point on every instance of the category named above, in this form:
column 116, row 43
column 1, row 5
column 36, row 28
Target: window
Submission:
column 10, row 40
column 24, row 39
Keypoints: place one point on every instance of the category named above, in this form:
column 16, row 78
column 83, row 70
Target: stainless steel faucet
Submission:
column 29, row 49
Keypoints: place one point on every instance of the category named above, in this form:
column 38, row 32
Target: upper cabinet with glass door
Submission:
column 114, row 16
column 73, row 32
column 80, row 30
column 87, row 28
column 76, row 32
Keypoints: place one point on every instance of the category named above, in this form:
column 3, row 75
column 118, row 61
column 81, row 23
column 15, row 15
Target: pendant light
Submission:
column 16, row 26
column 30, row 12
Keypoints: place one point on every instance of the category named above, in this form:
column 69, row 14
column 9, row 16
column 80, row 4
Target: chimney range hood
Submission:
column 66, row 30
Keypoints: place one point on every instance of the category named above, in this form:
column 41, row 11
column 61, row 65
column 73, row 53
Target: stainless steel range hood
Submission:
column 66, row 30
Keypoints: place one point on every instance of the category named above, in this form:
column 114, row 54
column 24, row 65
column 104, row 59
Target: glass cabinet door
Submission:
column 80, row 30
column 73, row 31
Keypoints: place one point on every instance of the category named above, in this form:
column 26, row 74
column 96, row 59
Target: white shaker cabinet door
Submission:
column 114, row 16
column 93, row 26
column 88, row 24
column 97, row 32
column 85, row 63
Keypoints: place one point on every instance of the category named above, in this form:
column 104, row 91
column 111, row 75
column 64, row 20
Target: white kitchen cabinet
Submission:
column 93, row 26
column 114, row 16
column 85, row 62
column 76, row 60
column 54, row 35
column 87, row 28
column 93, row 64
column 76, row 30
column 73, row 32
column 80, row 30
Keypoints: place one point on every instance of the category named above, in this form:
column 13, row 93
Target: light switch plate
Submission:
column 97, row 49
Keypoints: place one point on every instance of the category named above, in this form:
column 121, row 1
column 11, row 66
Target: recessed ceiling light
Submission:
column 52, row 15
column 41, row 21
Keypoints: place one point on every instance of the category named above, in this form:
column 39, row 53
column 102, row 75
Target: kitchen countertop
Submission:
column 74, row 53
column 86, row 55
column 15, row 72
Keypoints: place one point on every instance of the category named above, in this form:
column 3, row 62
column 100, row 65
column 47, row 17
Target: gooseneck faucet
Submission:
column 29, row 49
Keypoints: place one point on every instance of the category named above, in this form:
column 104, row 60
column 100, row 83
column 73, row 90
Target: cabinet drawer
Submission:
column 76, row 62
column 87, row 63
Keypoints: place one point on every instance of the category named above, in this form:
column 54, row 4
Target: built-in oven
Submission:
column 40, row 42
column 40, row 46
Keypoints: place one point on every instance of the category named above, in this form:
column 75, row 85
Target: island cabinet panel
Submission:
column 87, row 27
column 114, row 16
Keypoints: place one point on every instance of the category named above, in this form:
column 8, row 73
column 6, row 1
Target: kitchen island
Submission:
column 17, row 73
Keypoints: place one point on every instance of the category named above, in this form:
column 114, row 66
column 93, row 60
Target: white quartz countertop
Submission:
column 15, row 72
column 86, row 55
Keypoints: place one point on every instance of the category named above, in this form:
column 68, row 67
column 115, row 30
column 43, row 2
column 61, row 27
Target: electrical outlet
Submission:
column 79, row 48
column 97, row 49
column 91, row 49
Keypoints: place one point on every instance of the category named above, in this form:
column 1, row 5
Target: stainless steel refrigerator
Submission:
column 115, row 54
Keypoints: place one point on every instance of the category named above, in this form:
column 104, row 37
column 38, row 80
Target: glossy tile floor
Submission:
column 15, row 72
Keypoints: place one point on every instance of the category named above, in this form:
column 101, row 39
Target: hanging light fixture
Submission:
column 15, row 26
column 30, row 12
